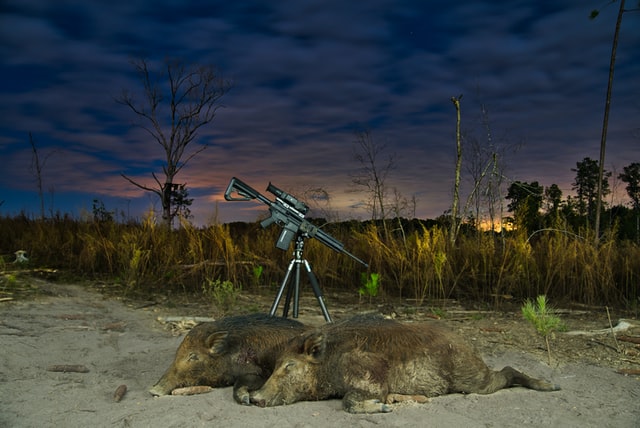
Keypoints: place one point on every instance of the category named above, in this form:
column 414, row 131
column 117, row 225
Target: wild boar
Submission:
column 371, row 362
column 239, row 351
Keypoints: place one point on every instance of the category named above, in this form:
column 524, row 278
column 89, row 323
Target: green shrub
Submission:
column 370, row 285
column 543, row 318
column 223, row 293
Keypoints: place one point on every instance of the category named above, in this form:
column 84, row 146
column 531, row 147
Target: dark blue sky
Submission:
column 307, row 75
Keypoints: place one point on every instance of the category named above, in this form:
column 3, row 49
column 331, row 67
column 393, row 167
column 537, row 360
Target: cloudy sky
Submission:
column 307, row 76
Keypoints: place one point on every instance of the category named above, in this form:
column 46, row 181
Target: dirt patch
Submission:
column 121, row 342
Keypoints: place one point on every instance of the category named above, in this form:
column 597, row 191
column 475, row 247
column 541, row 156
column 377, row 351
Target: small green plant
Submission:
column 543, row 318
column 439, row 262
column 410, row 310
column 257, row 274
column 370, row 285
column 477, row 317
column 223, row 293
column 137, row 266
column 11, row 279
column 438, row 313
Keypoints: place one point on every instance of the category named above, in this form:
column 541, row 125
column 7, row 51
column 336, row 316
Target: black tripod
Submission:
column 297, row 261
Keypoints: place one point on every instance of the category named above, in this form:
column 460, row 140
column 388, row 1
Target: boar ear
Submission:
column 314, row 345
column 216, row 342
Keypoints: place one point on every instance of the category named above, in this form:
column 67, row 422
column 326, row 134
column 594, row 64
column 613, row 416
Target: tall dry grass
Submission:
column 417, row 263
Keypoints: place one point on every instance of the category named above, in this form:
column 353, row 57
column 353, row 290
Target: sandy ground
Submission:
column 121, row 344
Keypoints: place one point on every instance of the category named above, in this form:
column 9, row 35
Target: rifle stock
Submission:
column 245, row 192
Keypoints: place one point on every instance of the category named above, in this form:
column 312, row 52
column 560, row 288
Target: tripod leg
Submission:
column 287, row 301
column 296, row 292
column 276, row 302
column 317, row 291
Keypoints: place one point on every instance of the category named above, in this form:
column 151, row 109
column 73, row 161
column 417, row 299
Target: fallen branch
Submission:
column 615, row 339
column 492, row 329
column 632, row 339
column 215, row 263
column 166, row 320
column 605, row 345
column 68, row 368
column 629, row 372
column 623, row 325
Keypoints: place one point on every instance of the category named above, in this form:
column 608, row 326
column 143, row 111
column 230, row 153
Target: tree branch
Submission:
column 141, row 186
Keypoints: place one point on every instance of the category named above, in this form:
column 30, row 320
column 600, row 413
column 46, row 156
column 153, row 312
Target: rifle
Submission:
column 288, row 212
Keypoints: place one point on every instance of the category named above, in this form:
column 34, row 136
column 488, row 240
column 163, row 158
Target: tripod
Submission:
column 297, row 261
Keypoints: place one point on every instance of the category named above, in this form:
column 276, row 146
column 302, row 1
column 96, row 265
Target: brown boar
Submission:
column 239, row 351
column 368, row 360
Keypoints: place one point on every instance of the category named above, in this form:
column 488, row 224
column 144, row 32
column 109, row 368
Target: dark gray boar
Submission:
column 239, row 351
column 371, row 362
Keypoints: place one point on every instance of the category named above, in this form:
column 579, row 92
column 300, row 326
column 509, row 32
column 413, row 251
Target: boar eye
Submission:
column 289, row 365
column 193, row 357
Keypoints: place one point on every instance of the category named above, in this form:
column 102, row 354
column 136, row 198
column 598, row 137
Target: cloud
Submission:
column 307, row 76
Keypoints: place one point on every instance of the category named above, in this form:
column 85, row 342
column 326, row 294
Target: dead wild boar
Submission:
column 239, row 351
column 371, row 362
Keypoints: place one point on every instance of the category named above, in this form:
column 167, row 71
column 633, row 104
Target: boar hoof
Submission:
column 242, row 396
column 156, row 391
column 259, row 403
column 368, row 406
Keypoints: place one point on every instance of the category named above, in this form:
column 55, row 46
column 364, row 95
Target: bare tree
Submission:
column 478, row 164
column 37, row 166
column 373, row 172
column 486, row 167
column 496, row 167
column 478, row 167
column 319, row 200
column 455, row 222
column 172, row 115
column 607, row 108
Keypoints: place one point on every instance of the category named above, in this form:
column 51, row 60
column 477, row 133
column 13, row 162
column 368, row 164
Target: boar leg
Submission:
column 355, row 401
column 508, row 377
column 514, row 377
column 244, row 385
column 399, row 398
